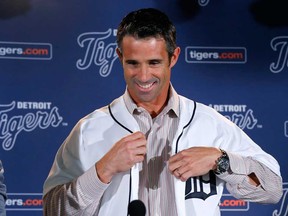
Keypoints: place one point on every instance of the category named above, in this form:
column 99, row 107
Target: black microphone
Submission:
column 136, row 208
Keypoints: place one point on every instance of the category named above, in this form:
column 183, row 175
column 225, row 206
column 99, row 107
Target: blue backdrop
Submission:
column 57, row 64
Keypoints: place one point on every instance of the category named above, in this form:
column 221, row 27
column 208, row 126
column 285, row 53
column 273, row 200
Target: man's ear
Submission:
column 175, row 56
column 119, row 53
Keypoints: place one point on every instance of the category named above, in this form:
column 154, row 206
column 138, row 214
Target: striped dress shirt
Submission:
column 156, row 182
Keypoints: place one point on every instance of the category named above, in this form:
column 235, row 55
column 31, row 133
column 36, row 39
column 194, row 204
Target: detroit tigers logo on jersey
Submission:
column 201, row 187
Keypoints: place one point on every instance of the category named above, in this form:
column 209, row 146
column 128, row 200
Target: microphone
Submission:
column 136, row 208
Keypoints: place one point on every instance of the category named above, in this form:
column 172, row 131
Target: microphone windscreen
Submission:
column 136, row 208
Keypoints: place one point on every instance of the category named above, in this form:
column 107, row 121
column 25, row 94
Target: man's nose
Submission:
column 143, row 73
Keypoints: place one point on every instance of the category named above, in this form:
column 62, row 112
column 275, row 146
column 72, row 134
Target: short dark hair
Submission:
column 148, row 22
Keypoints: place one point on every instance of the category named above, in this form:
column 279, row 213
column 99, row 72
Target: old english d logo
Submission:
column 201, row 187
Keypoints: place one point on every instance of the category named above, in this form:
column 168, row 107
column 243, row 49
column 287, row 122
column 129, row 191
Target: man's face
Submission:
column 147, row 69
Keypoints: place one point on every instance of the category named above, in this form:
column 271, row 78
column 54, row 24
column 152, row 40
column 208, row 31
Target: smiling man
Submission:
column 153, row 145
column 147, row 71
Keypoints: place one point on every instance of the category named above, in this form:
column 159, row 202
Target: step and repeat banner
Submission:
column 58, row 63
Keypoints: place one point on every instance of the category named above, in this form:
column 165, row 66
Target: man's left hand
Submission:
column 195, row 161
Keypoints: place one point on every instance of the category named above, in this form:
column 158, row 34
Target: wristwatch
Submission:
column 222, row 163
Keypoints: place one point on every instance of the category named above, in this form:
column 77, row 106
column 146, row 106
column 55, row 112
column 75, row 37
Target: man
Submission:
column 151, row 144
column 2, row 191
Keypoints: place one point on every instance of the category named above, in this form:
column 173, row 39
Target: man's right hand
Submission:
column 125, row 153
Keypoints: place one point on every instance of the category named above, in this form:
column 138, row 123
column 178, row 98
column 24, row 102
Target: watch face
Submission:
column 223, row 165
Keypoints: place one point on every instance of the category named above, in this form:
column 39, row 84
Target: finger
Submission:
column 140, row 150
column 137, row 135
column 135, row 140
column 183, row 176
column 176, row 173
column 137, row 146
column 133, row 136
column 173, row 165
column 178, row 157
column 139, row 158
column 174, row 158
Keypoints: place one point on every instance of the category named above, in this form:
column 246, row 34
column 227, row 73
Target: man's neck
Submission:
column 154, row 110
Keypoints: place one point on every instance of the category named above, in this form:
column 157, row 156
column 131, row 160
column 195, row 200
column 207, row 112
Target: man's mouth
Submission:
column 146, row 86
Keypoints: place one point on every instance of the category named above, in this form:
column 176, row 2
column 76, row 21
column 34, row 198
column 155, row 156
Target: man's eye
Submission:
column 154, row 62
column 132, row 63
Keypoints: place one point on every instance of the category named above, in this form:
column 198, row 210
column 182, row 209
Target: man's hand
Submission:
column 195, row 161
column 122, row 156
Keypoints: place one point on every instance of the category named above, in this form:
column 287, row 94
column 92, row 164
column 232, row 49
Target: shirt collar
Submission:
column 173, row 102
